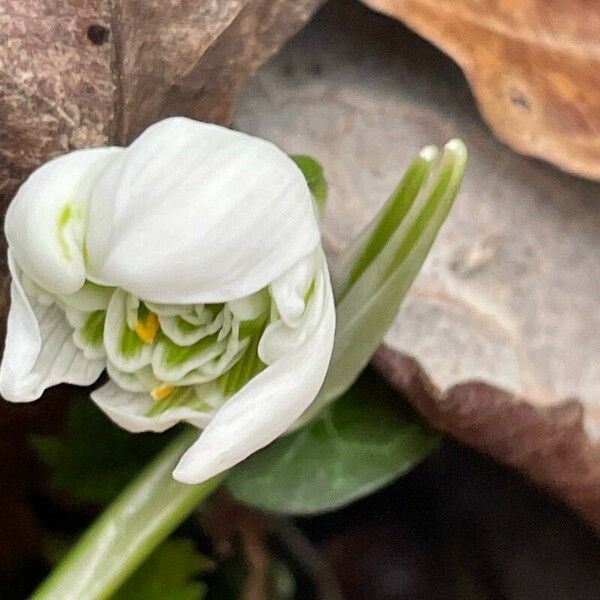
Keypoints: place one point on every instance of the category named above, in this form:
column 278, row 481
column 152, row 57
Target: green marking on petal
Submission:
column 143, row 312
column 253, row 327
column 184, row 326
column 131, row 343
column 176, row 355
column 310, row 291
column 93, row 328
column 180, row 396
column 247, row 367
column 214, row 309
column 65, row 216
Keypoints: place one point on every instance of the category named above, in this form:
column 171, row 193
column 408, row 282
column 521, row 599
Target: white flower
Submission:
column 187, row 265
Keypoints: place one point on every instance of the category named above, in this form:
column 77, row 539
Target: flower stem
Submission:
column 147, row 511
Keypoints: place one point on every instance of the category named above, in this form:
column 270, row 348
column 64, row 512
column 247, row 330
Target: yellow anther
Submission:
column 147, row 327
column 160, row 392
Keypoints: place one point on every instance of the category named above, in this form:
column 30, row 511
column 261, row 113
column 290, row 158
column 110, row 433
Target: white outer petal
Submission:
column 39, row 351
column 195, row 213
column 128, row 410
column 32, row 217
column 268, row 404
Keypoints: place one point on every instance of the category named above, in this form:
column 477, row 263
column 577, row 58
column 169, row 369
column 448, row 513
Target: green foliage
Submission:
column 127, row 532
column 315, row 178
column 373, row 276
column 360, row 443
column 169, row 573
column 94, row 459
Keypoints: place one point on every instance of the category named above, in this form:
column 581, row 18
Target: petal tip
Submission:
column 193, row 473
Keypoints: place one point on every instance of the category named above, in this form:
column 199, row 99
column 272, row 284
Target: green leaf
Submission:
column 377, row 271
column 315, row 178
column 169, row 573
column 358, row 444
column 372, row 240
column 93, row 459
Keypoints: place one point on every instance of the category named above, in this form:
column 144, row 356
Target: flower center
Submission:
column 193, row 355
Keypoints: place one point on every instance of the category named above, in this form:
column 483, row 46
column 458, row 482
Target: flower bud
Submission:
column 187, row 265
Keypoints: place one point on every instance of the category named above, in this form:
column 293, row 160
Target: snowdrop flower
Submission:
column 187, row 265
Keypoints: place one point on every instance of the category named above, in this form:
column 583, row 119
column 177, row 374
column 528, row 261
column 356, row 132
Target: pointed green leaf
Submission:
column 129, row 530
column 371, row 241
column 386, row 264
column 360, row 443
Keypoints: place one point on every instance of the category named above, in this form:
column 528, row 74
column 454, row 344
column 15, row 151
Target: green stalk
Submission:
column 146, row 512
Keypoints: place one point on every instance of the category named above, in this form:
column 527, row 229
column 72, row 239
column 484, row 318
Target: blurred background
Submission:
column 458, row 526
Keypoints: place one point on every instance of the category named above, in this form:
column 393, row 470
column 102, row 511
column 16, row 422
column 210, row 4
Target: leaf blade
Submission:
column 359, row 444
column 369, row 305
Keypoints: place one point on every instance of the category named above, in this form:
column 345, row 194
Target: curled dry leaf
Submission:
column 509, row 293
column 548, row 443
column 90, row 72
column 534, row 66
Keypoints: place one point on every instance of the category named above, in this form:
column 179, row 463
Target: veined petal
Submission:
column 46, row 221
column 197, row 213
column 270, row 402
column 39, row 350
column 130, row 410
column 182, row 333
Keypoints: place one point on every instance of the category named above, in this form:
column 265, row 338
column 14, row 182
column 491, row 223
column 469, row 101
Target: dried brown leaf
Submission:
column 77, row 73
column 549, row 444
column 534, row 66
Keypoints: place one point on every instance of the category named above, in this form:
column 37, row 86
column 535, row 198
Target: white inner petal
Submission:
column 283, row 335
column 182, row 329
column 184, row 360
column 124, row 349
